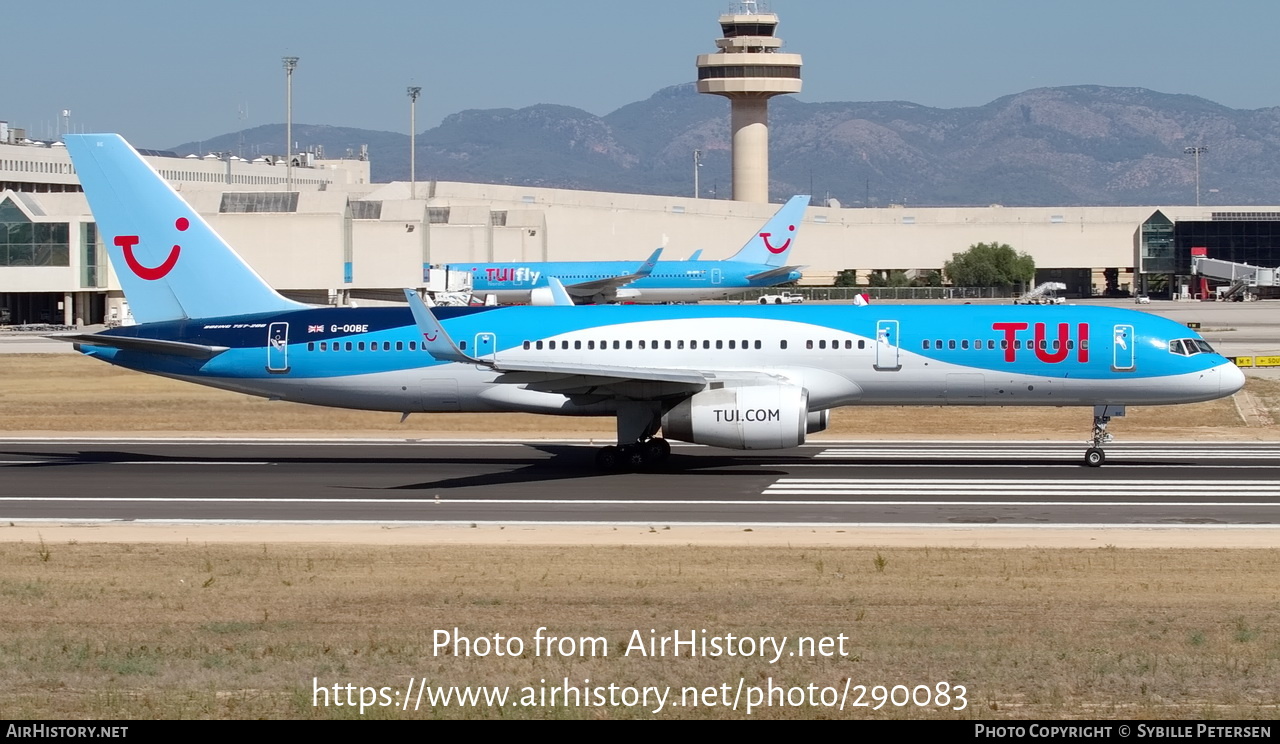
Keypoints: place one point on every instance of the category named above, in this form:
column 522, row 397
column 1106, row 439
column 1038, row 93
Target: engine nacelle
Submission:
column 541, row 296
column 817, row 421
column 746, row 418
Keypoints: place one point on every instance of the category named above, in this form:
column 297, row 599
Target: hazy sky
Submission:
column 163, row 73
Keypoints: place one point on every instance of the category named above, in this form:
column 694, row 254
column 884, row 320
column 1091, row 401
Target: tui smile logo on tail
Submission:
column 769, row 247
column 127, row 242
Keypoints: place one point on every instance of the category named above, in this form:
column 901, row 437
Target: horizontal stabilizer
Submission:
column 774, row 273
column 147, row 345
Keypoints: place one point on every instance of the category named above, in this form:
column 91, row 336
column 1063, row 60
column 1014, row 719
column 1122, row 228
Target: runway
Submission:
column 496, row 482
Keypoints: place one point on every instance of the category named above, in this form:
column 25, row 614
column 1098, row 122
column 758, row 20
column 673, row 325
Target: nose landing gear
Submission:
column 1095, row 456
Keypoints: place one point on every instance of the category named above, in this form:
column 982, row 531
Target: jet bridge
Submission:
column 1240, row 276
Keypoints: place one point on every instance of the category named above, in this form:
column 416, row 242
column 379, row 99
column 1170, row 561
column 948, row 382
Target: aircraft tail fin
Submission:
column 171, row 263
column 773, row 243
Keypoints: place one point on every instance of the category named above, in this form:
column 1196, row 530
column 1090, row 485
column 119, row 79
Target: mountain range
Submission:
column 1065, row 146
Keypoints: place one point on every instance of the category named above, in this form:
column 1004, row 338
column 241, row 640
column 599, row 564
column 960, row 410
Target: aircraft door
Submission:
column 486, row 346
column 1123, row 349
column 717, row 276
column 278, row 348
column 887, row 356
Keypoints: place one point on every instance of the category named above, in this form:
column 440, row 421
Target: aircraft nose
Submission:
column 1231, row 379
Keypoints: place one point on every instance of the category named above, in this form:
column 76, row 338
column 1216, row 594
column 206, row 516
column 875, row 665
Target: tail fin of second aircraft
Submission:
column 170, row 262
column 773, row 243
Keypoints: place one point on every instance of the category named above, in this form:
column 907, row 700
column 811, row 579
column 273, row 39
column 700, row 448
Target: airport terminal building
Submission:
column 321, row 232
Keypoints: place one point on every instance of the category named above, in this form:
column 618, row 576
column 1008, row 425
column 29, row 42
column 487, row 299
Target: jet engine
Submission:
column 746, row 418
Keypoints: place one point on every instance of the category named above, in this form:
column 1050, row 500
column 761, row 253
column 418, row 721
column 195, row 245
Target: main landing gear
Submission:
column 637, row 447
column 638, row 456
column 1095, row 456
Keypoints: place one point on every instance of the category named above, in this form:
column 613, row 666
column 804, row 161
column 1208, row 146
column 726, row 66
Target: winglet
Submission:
column 695, row 255
column 559, row 295
column 646, row 268
column 434, row 338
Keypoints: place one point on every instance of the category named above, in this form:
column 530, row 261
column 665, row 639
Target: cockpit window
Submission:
column 1190, row 346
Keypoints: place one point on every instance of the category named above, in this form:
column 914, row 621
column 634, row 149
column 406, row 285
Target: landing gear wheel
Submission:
column 608, row 458
column 656, row 450
column 633, row 457
column 1094, row 457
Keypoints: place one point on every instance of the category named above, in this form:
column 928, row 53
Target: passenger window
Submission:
column 782, row 344
column 591, row 345
column 706, row 344
column 666, row 344
column 964, row 343
column 324, row 346
column 360, row 346
column 924, row 344
column 808, row 344
column 462, row 346
column 733, row 344
column 991, row 344
column 1004, row 343
column 680, row 344
column 348, row 346
column 642, row 343
column 822, row 344
column 311, row 347
column 758, row 344
column 628, row 345
column 539, row 346
column 399, row 346
column 862, row 344
column 951, row 344
column 413, row 345
column 527, row 345
column 848, row 343
column 577, row 345
column 386, row 346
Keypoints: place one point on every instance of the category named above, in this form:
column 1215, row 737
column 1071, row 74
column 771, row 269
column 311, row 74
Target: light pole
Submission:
column 289, row 64
column 1198, row 150
column 697, row 164
column 414, row 92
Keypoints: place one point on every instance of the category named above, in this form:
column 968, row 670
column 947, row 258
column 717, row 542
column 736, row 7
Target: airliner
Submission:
column 743, row 377
column 761, row 262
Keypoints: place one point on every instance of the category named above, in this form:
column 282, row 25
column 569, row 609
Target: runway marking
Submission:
column 623, row 502
column 1030, row 487
column 1052, row 451
column 833, row 526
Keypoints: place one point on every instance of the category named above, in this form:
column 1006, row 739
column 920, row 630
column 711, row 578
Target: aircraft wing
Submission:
column 149, row 345
column 441, row 347
column 613, row 283
column 781, row 271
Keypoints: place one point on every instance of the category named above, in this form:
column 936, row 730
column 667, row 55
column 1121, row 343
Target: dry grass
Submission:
column 190, row 631
column 61, row 393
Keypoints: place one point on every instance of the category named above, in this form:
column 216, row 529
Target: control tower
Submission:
column 749, row 70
